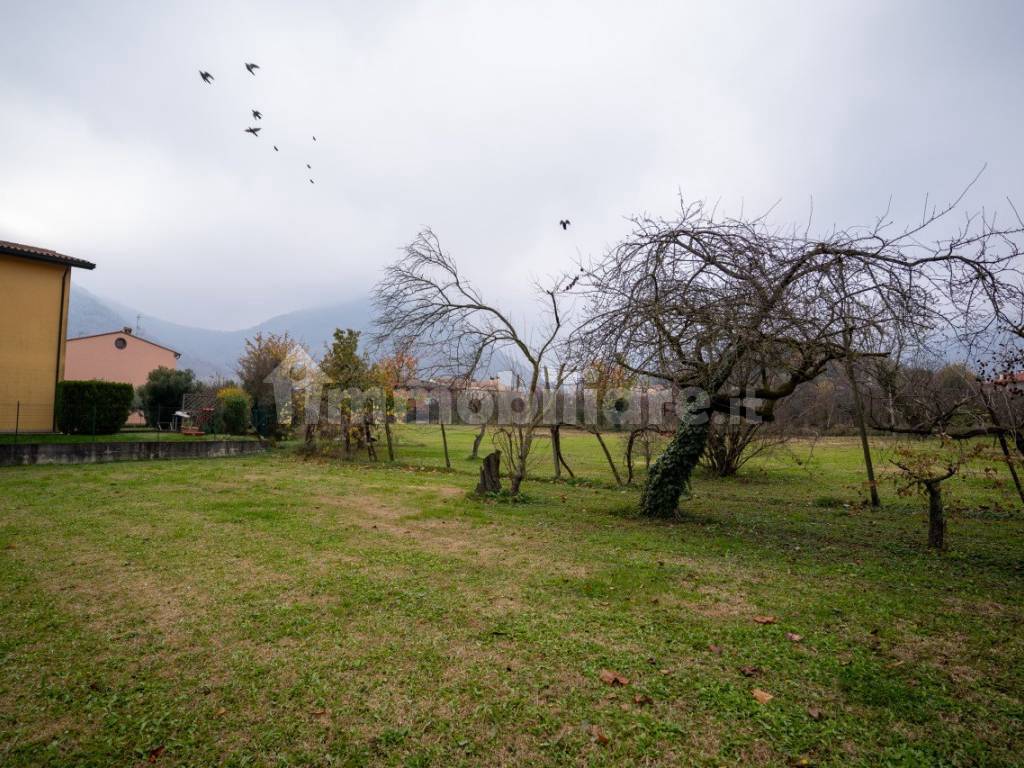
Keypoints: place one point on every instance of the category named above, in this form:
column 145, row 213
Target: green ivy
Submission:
column 669, row 477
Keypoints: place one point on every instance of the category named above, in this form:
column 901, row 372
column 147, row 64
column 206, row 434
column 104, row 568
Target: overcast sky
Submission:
column 487, row 121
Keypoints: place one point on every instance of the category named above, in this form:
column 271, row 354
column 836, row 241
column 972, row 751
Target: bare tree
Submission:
column 955, row 402
column 926, row 468
column 688, row 300
column 423, row 298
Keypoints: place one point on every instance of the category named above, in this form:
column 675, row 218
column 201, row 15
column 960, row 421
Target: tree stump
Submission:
column 490, row 474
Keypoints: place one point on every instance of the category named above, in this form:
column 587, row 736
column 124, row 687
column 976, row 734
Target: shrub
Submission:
column 163, row 391
column 233, row 408
column 93, row 407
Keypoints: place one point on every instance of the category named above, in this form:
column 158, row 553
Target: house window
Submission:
column 120, row 343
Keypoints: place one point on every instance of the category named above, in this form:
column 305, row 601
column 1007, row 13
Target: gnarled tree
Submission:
column 688, row 300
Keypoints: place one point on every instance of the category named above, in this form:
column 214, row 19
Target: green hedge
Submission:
column 93, row 407
column 232, row 411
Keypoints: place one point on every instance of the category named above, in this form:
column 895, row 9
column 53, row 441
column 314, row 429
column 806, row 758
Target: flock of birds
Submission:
column 253, row 130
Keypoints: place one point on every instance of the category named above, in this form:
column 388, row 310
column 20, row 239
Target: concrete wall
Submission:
column 33, row 324
column 100, row 357
column 92, row 453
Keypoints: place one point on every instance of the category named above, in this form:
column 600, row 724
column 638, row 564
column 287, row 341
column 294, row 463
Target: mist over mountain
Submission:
column 212, row 353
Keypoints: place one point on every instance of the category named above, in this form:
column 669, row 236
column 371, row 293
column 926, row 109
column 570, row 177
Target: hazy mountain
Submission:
column 212, row 353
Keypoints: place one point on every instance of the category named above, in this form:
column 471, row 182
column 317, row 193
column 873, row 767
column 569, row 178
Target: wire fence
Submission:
column 24, row 421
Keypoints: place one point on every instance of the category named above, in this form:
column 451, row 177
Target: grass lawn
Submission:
column 129, row 436
column 275, row 611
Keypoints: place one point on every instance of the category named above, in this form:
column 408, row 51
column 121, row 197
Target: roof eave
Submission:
column 65, row 261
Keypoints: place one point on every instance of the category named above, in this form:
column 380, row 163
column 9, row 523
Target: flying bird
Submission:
column 253, row 131
column 314, row 138
column 251, row 67
column 310, row 181
column 257, row 114
column 276, row 149
column 308, row 165
column 207, row 77
column 564, row 224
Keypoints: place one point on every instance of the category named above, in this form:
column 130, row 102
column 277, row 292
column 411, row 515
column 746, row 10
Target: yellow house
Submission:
column 34, row 288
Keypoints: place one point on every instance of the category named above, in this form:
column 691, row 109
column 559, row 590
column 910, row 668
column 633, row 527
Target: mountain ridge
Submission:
column 213, row 353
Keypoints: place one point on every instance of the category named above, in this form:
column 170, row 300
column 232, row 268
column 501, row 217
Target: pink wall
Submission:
column 98, row 357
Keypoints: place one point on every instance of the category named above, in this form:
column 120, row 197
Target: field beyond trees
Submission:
column 280, row 611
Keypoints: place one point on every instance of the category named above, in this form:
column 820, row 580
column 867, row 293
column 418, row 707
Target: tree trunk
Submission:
column 387, row 434
column 670, row 475
column 444, row 441
column 608, row 456
column 525, row 443
column 371, row 449
column 555, row 452
column 629, row 457
column 936, row 517
column 477, row 440
column 490, row 474
column 1009, row 465
column 862, row 428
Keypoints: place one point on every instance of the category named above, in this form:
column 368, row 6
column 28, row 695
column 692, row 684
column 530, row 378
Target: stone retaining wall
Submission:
column 91, row 453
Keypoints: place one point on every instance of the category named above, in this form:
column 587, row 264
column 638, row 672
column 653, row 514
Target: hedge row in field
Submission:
column 93, row 407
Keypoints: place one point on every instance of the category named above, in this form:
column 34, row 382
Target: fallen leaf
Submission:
column 652, row 661
column 642, row 699
column 762, row 697
column 598, row 735
column 764, row 619
column 814, row 713
column 665, row 671
column 611, row 677
column 750, row 671
column 221, row 712
column 715, row 649
column 794, row 637
column 154, row 754
column 801, row 762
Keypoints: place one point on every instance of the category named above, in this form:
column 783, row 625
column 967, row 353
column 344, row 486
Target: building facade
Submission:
column 35, row 284
column 116, row 356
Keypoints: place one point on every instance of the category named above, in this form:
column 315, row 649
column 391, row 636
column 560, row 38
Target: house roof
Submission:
column 42, row 254
column 129, row 334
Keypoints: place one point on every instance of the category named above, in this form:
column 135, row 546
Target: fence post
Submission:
column 17, row 421
column 94, row 422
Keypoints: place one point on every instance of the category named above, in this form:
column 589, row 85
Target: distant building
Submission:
column 117, row 356
column 34, row 287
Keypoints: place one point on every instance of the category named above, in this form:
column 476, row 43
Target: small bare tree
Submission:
column 926, row 467
column 954, row 401
column 425, row 300
column 732, row 442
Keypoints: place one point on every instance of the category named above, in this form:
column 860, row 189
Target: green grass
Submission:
column 128, row 436
column 279, row 611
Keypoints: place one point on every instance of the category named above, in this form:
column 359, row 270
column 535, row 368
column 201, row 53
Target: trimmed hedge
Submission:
column 93, row 407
